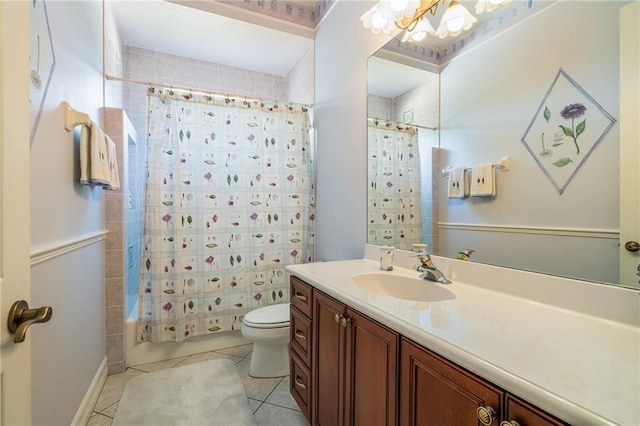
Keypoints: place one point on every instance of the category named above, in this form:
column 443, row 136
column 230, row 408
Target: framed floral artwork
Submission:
column 567, row 127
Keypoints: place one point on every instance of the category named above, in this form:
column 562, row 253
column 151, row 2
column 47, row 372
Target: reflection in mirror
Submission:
column 502, row 92
column 402, row 135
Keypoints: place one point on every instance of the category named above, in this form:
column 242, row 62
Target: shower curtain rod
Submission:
column 401, row 123
column 203, row 91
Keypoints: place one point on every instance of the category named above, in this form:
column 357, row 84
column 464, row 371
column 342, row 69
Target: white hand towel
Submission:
column 85, row 160
column 457, row 187
column 99, row 154
column 114, row 177
column 483, row 181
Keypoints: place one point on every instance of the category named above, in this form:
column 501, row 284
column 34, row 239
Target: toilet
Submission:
column 268, row 329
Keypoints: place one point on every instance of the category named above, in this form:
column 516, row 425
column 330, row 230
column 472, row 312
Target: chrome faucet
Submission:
column 429, row 270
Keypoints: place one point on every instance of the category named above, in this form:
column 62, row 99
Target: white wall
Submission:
column 484, row 114
column 299, row 82
column 342, row 47
column 68, row 350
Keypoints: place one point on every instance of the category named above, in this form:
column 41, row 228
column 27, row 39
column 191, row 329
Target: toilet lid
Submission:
column 271, row 316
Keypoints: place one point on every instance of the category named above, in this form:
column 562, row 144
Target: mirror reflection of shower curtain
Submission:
column 228, row 204
column 394, row 211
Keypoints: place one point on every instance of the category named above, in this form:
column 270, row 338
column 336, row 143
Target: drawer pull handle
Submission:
column 300, row 296
column 511, row 423
column 299, row 383
column 486, row 415
column 300, row 335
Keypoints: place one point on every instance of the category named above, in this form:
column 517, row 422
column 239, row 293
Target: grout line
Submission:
column 283, row 406
column 257, row 400
column 274, row 389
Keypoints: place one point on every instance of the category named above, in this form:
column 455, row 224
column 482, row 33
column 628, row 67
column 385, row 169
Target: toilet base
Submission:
column 269, row 360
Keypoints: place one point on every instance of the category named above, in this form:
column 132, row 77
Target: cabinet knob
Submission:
column 338, row 317
column 486, row 415
column 510, row 423
column 345, row 321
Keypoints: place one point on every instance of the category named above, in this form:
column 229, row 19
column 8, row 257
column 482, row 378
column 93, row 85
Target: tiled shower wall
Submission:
column 159, row 67
column 122, row 220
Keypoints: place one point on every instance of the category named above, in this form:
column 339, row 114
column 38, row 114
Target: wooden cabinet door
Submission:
column 436, row 392
column 371, row 372
column 525, row 414
column 328, row 361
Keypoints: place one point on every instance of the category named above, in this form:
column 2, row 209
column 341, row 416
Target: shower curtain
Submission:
column 394, row 185
column 229, row 202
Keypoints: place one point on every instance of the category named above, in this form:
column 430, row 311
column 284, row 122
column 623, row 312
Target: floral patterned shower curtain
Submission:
column 229, row 203
column 394, row 185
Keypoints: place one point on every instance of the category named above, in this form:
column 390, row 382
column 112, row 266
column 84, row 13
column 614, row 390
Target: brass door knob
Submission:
column 632, row 246
column 21, row 317
column 486, row 415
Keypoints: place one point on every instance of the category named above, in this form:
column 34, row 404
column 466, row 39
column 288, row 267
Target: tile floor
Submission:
column 268, row 398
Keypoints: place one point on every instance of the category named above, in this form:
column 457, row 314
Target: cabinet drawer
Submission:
column 301, row 296
column 526, row 414
column 300, row 385
column 301, row 337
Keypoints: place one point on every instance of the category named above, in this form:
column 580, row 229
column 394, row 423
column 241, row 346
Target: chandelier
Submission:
column 410, row 15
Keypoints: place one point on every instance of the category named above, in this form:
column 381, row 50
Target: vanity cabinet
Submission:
column 354, row 367
column 437, row 392
column 301, row 341
column 348, row 369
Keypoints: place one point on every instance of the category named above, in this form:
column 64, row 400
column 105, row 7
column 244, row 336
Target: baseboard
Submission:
column 91, row 397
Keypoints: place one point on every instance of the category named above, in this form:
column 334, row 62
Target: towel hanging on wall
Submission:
column 458, row 186
column 483, row 181
column 98, row 160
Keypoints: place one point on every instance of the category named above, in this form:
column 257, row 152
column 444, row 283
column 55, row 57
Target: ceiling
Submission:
column 271, row 36
column 197, row 31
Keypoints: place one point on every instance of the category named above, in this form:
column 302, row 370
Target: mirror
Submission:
column 488, row 93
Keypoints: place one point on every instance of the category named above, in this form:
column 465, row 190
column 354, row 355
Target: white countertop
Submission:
column 583, row 368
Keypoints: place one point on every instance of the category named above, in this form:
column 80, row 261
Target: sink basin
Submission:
column 402, row 287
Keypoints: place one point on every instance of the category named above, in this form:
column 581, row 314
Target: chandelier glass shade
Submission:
column 410, row 15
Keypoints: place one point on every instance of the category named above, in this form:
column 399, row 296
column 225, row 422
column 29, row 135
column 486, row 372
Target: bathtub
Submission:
column 143, row 353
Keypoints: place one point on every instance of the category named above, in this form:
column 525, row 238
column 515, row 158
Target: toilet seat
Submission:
column 271, row 316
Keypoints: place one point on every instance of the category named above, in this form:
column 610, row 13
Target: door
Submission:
column 15, row 359
column 328, row 361
column 435, row 392
column 371, row 372
column 629, row 146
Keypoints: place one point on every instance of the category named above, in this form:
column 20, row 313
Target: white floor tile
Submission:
column 113, row 388
column 160, row 365
column 99, row 420
column 241, row 351
column 254, row 404
column 256, row 388
column 268, row 415
column 208, row 356
column 282, row 396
